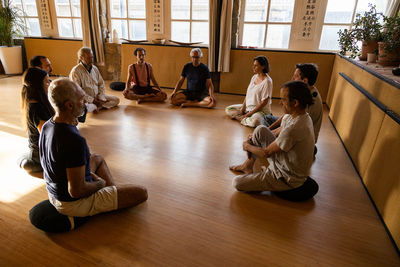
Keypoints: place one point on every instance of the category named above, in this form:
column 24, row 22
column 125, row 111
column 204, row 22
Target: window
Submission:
column 29, row 15
column 189, row 21
column 128, row 18
column 69, row 18
column 340, row 15
column 266, row 23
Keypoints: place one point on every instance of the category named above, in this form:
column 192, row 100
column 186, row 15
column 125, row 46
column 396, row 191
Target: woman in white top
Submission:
column 258, row 97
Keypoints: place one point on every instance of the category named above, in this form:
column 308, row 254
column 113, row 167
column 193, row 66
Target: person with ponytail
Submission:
column 36, row 110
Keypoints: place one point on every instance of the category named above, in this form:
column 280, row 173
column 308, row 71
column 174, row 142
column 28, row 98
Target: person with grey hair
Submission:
column 88, row 77
column 198, row 81
column 79, row 183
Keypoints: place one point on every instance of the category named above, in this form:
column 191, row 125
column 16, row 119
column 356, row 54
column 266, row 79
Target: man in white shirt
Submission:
column 88, row 77
column 289, row 149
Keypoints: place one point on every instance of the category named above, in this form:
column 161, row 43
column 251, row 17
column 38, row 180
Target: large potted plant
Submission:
column 389, row 48
column 367, row 29
column 11, row 25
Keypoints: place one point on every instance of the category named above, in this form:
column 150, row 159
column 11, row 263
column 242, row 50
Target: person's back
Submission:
column 316, row 112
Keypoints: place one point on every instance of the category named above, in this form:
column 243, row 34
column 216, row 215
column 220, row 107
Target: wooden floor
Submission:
column 193, row 217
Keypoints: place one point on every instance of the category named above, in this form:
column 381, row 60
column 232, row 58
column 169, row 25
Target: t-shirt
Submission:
column 256, row 93
column 61, row 147
column 316, row 112
column 296, row 140
column 196, row 77
column 143, row 76
column 37, row 112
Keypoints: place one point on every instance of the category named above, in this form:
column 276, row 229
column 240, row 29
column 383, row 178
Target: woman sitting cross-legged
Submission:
column 257, row 102
column 36, row 110
column 138, row 81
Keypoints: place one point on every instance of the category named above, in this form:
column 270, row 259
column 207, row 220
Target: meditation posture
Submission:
column 198, row 81
column 257, row 102
column 88, row 77
column 289, row 150
column 138, row 81
column 308, row 73
column 36, row 110
column 78, row 183
column 41, row 62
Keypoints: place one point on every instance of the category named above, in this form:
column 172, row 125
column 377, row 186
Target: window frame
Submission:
column 71, row 18
column 25, row 18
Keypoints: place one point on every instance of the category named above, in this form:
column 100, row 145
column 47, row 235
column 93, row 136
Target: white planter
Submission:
column 11, row 58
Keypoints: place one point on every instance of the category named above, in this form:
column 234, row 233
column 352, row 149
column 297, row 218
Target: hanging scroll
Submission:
column 44, row 13
column 156, row 18
column 308, row 19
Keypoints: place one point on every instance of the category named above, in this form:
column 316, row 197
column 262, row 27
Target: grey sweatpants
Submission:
column 265, row 180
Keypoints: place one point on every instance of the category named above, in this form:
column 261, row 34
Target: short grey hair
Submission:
column 83, row 51
column 198, row 50
column 60, row 91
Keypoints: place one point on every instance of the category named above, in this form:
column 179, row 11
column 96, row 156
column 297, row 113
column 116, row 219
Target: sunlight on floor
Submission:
column 15, row 182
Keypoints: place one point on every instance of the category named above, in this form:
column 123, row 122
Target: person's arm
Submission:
column 243, row 108
column 153, row 79
column 178, row 84
column 277, row 131
column 128, row 80
column 101, row 85
column 210, row 87
column 276, row 124
column 78, row 187
column 259, row 107
column 267, row 152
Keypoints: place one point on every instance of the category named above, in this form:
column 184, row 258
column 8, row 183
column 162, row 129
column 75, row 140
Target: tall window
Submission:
column 128, row 18
column 189, row 21
column 340, row 15
column 29, row 15
column 69, row 18
column 266, row 23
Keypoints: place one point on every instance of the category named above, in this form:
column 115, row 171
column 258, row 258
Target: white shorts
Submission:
column 104, row 200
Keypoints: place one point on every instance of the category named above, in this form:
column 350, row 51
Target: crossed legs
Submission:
column 179, row 99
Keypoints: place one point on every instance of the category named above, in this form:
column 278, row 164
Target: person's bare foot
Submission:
column 241, row 168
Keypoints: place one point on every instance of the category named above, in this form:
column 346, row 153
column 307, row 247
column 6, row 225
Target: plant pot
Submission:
column 388, row 58
column 11, row 58
column 368, row 47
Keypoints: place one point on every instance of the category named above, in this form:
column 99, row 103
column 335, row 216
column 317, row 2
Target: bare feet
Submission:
column 241, row 168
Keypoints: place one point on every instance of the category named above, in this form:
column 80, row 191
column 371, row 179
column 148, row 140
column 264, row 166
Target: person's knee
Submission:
column 141, row 193
column 237, row 183
column 96, row 159
column 163, row 96
column 177, row 99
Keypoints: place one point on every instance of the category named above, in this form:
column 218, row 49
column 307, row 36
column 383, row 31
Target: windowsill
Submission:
column 166, row 44
column 53, row 38
column 383, row 73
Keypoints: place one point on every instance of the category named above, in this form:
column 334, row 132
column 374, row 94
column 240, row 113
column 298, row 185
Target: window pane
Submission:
column 200, row 9
column 362, row 5
column 78, row 28
column 180, row 9
column 339, row 11
column 62, row 8
column 18, row 5
column 278, row 36
column 65, row 28
column 137, row 9
column 121, row 26
column 137, row 30
column 253, row 35
column 30, row 8
column 329, row 37
column 180, row 31
column 76, row 8
column 281, row 11
column 118, row 9
column 256, row 10
column 200, row 32
column 33, row 27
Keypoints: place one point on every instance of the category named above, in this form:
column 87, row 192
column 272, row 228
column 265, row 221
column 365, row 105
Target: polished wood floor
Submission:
column 193, row 217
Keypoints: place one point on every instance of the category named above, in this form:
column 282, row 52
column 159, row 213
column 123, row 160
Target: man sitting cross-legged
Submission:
column 198, row 81
column 289, row 150
column 138, row 81
column 78, row 183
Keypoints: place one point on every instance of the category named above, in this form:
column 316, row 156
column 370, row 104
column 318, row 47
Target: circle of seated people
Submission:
column 45, row 217
column 302, row 193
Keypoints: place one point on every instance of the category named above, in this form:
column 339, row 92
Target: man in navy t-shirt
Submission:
column 78, row 183
column 200, row 90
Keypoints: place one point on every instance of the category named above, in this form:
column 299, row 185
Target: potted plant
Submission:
column 367, row 29
column 11, row 25
column 389, row 48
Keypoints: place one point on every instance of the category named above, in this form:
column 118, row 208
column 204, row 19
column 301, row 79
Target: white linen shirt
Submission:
column 256, row 93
